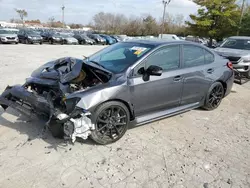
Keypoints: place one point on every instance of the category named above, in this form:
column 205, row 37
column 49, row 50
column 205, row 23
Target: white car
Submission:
column 169, row 37
column 8, row 36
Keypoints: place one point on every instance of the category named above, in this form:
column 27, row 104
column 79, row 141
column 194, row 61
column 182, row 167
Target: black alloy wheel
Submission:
column 111, row 122
column 215, row 96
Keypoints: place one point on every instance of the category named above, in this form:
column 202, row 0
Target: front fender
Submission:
column 89, row 100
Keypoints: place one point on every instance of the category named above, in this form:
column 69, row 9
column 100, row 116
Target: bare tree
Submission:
column 135, row 25
column 22, row 14
column 51, row 21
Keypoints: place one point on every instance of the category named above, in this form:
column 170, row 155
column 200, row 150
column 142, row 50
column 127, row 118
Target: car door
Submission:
column 160, row 92
column 196, row 65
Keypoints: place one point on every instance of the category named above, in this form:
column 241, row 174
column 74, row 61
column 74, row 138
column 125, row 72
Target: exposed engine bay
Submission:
column 47, row 93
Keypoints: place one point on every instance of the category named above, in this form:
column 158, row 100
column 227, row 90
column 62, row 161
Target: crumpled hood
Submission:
column 51, row 70
column 226, row 52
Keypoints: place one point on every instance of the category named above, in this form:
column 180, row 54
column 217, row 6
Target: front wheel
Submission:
column 214, row 96
column 111, row 121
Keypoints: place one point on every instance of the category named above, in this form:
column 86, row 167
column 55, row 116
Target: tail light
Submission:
column 230, row 65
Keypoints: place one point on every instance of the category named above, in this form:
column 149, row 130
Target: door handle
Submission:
column 210, row 71
column 177, row 78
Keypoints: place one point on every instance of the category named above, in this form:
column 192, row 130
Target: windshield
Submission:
column 85, row 37
column 65, row 35
column 241, row 44
column 120, row 56
column 3, row 31
column 56, row 35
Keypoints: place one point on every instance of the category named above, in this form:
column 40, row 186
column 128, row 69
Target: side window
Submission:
column 167, row 58
column 135, row 71
column 209, row 57
column 193, row 56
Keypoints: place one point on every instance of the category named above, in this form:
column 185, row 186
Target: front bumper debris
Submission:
column 76, row 124
column 77, row 127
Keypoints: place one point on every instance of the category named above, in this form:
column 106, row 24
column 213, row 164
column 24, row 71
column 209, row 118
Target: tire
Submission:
column 16, row 43
column 40, row 43
column 214, row 96
column 114, row 130
column 51, row 41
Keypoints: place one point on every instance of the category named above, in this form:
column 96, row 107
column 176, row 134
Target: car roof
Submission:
column 159, row 42
column 240, row 37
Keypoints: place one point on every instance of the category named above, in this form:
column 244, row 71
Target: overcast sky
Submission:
column 82, row 11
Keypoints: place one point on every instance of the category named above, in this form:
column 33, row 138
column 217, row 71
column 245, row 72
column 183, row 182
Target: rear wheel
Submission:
column 111, row 122
column 214, row 96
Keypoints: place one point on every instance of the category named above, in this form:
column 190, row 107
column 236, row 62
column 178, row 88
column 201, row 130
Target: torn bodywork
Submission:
column 50, row 92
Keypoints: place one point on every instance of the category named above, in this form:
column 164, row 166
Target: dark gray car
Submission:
column 128, row 83
column 237, row 50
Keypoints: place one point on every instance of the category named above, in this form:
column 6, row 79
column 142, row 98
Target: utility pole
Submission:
column 241, row 15
column 165, row 3
column 63, row 7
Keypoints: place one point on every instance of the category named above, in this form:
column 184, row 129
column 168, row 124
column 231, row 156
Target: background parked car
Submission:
column 8, row 36
column 97, row 38
column 29, row 37
column 169, row 37
column 68, row 38
column 53, row 38
column 109, row 40
column 84, row 39
column 117, row 39
column 237, row 50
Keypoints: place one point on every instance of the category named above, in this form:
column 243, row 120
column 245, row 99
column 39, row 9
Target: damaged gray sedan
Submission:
column 128, row 83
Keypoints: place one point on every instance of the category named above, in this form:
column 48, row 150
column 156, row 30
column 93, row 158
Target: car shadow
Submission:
column 34, row 128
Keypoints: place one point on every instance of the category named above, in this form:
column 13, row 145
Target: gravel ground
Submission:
column 197, row 149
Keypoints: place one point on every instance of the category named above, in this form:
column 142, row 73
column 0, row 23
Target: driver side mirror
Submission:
column 152, row 70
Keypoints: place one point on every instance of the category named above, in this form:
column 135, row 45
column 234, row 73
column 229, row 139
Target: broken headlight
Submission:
column 71, row 104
